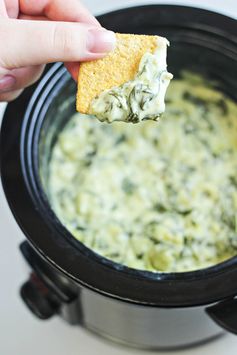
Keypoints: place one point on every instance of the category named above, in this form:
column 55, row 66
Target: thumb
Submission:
column 24, row 42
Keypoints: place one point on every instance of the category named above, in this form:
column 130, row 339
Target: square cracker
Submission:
column 117, row 68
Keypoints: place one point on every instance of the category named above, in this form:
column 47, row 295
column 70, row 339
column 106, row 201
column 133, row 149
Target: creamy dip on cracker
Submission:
column 142, row 98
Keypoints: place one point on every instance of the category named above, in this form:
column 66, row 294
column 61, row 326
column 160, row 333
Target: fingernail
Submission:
column 7, row 83
column 100, row 40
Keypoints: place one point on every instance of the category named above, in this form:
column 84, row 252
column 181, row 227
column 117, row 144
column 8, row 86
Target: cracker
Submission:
column 117, row 68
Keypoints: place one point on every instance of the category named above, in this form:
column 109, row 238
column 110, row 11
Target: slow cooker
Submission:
column 137, row 308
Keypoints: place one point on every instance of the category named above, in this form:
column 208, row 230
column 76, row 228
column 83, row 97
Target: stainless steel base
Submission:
column 146, row 327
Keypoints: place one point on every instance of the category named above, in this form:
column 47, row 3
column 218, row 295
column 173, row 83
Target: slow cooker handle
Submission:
column 225, row 314
column 47, row 292
column 42, row 303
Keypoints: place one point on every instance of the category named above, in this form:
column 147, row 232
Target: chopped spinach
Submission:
column 222, row 105
column 233, row 180
column 128, row 186
column 118, row 98
column 159, row 207
column 121, row 139
column 195, row 100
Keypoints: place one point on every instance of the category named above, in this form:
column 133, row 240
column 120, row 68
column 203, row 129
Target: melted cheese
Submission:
column 158, row 197
column 142, row 98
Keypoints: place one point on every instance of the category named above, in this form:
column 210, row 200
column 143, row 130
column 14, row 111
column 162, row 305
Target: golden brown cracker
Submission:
column 117, row 68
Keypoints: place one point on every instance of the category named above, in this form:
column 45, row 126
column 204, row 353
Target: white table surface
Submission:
column 20, row 332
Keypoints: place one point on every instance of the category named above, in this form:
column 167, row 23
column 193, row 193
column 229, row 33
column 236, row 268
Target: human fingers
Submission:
column 10, row 96
column 3, row 10
column 12, row 8
column 58, row 10
column 16, row 79
column 50, row 42
column 73, row 69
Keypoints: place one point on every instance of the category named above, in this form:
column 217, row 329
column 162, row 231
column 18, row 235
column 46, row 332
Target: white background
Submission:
column 20, row 332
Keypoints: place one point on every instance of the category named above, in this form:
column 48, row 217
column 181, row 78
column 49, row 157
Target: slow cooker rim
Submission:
column 149, row 276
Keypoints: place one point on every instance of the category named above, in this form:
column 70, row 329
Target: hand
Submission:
column 36, row 32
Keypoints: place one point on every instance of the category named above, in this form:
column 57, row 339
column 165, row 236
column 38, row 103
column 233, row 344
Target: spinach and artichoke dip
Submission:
column 142, row 98
column 158, row 197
